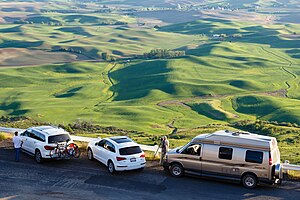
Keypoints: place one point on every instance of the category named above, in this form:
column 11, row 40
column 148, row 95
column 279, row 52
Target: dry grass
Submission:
column 294, row 175
column 82, row 145
column 5, row 136
column 150, row 156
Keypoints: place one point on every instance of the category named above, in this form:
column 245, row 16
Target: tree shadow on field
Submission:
column 15, row 29
column 20, row 44
column 202, row 50
column 208, row 111
column 138, row 80
column 13, row 108
column 70, row 93
column 75, row 30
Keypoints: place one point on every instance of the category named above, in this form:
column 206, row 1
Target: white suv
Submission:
column 39, row 141
column 117, row 153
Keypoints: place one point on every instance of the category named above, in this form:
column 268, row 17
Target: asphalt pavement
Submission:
column 84, row 179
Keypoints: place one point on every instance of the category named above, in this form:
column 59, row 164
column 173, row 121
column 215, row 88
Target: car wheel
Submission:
column 249, row 181
column 90, row 154
column 38, row 156
column 110, row 167
column 176, row 170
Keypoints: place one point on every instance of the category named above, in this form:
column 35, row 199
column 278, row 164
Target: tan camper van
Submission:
column 238, row 156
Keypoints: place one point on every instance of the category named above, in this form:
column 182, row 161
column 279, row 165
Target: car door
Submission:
column 31, row 142
column 98, row 150
column 191, row 157
column 108, row 152
column 25, row 136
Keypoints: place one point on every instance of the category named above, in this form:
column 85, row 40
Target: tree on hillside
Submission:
column 164, row 53
column 107, row 57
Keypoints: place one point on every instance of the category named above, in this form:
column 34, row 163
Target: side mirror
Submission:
column 96, row 143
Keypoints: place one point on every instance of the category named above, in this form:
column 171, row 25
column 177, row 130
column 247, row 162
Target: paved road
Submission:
column 84, row 179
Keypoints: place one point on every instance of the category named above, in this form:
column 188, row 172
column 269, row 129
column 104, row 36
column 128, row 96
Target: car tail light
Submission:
column 120, row 158
column 142, row 156
column 270, row 159
column 48, row 147
column 71, row 145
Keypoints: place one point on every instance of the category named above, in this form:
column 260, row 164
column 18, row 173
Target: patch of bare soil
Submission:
column 24, row 57
column 163, row 17
column 240, row 15
column 7, row 144
column 277, row 93
column 172, row 103
column 2, row 20
column 156, row 126
column 291, row 36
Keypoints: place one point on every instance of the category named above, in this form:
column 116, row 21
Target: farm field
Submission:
column 52, row 67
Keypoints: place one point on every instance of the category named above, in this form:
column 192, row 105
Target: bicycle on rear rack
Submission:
column 65, row 151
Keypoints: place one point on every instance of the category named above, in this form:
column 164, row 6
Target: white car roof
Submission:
column 238, row 138
column 130, row 143
column 49, row 130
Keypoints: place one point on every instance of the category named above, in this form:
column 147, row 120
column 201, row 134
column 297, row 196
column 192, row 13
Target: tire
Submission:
column 90, row 154
column 249, row 181
column 38, row 157
column 176, row 170
column 53, row 152
column 111, row 167
column 77, row 153
column 141, row 169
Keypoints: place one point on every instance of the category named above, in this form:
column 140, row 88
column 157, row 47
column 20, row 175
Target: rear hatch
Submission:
column 131, row 155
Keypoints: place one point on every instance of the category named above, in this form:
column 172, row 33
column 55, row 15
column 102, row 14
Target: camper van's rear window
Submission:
column 225, row 153
column 254, row 156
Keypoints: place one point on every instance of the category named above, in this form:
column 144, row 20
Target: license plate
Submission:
column 132, row 159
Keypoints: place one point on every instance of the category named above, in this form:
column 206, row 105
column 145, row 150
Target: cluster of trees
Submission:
column 70, row 49
column 108, row 57
column 163, row 53
column 88, row 127
column 51, row 23
column 112, row 23
column 266, row 128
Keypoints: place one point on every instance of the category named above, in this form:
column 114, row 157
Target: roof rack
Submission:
column 237, row 133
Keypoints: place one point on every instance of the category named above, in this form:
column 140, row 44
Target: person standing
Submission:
column 164, row 149
column 17, row 140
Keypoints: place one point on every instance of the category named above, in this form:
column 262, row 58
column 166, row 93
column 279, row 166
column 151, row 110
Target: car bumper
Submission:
column 130, row 167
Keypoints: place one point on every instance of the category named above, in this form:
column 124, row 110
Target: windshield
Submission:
column 58, row 138
column 182, row 148
column 130, row 150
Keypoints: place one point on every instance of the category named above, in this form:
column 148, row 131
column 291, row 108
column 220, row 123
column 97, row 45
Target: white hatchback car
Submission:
column 117, row 153
column 39, row 141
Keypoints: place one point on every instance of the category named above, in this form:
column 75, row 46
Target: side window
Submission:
column 193, row 149
column 254, row 156
column 225, row 153
column 25, row 133
column 31, row 135
column 101, row 143
column 109, row 146
column 38, row 136
column 41, row 137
